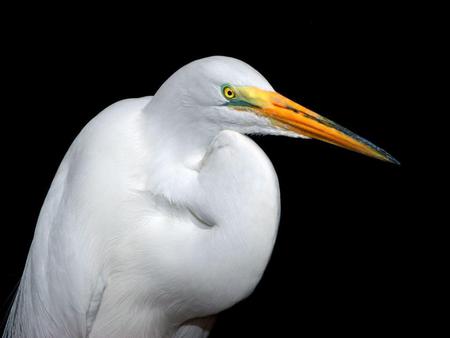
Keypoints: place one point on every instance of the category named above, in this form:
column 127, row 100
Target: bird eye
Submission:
column 229, row 93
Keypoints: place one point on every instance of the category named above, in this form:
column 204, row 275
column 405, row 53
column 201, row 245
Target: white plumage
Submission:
column 161, row 214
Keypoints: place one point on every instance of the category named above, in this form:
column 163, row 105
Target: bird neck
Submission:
column 227, row 216
column 177, row 135
column 174, row 140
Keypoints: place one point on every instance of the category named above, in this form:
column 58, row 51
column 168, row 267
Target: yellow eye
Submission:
column 229, row 93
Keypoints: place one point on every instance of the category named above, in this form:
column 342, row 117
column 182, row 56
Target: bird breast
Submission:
column 213, row 240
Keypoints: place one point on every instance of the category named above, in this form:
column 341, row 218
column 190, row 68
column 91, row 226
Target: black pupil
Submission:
column 229, row 92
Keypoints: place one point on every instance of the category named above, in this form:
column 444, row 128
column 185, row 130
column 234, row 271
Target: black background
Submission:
column 346, row 257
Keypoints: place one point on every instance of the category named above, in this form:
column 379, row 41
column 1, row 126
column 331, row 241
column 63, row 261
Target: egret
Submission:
column 162, row 212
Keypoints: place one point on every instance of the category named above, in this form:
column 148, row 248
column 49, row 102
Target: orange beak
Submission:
column 289, row 115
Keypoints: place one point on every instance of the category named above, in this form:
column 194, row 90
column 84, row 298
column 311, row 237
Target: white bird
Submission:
column 162, row 213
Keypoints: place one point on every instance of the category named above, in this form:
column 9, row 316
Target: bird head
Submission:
column 226, row 93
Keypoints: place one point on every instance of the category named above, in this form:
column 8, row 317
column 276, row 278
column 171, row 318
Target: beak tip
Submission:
column 391, row 159
column 394, row 161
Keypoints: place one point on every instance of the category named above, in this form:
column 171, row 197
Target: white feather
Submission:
column 161, row 214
